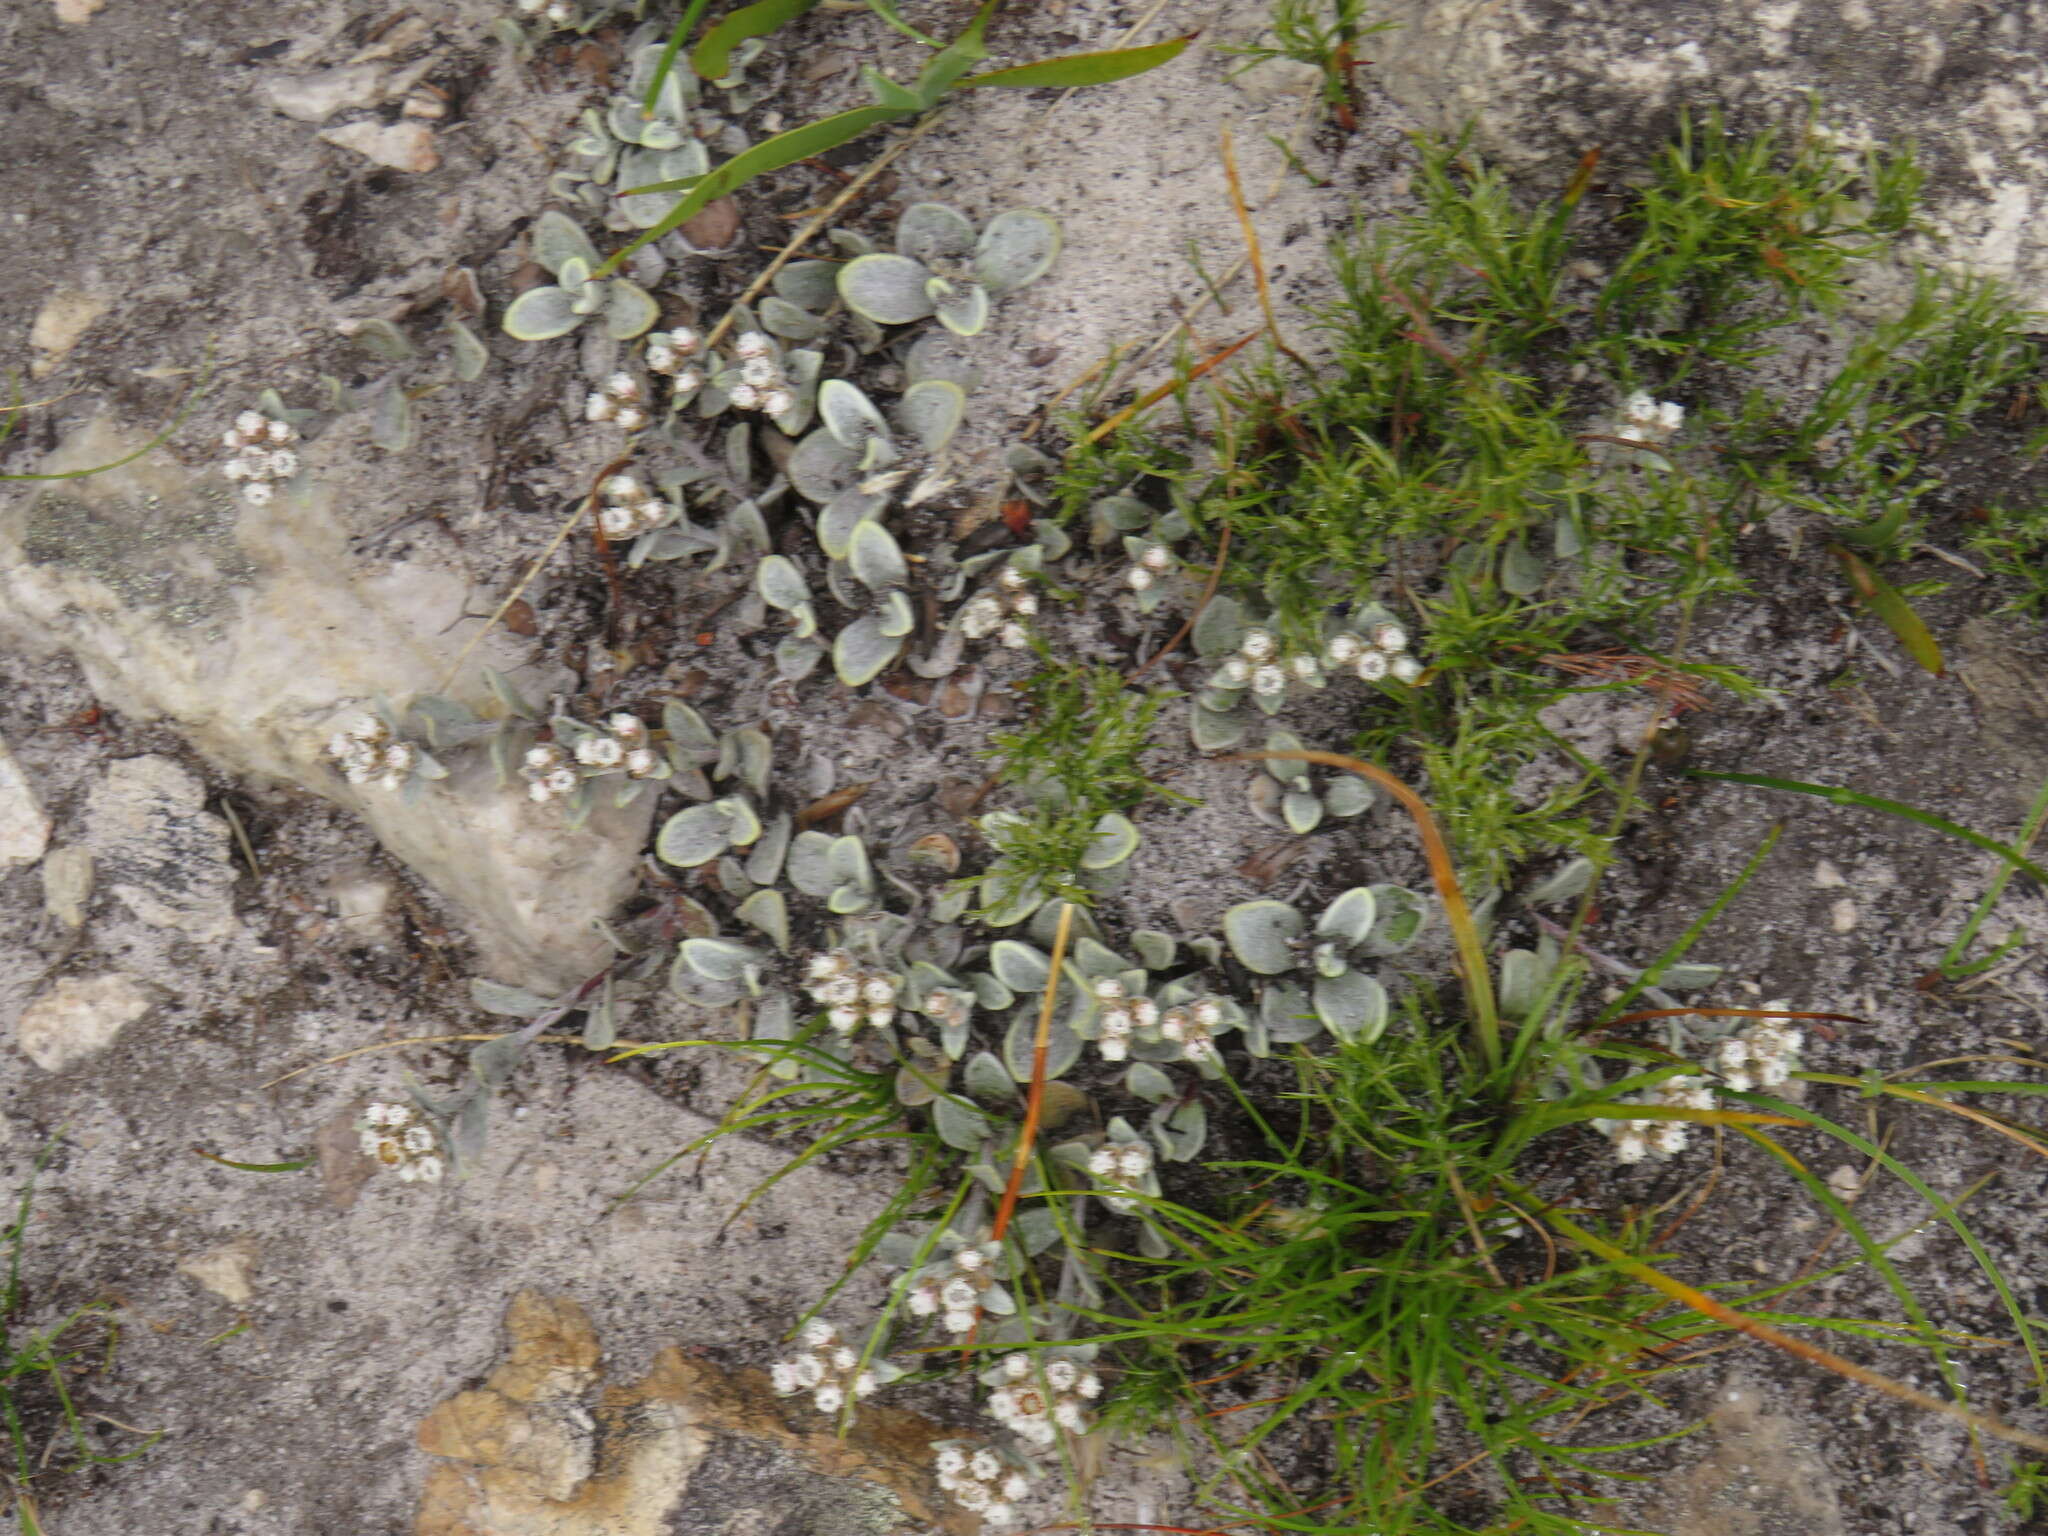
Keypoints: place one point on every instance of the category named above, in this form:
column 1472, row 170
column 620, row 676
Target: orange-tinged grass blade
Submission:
column 1152, row 397
column 1813, row 1354
column 1890, row 605
column 1252, row 252
column 1035, row 1104
column 1990, row 1122
column 1457, row 911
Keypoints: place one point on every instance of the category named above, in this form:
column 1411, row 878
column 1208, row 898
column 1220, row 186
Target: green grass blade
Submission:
column 1837, row 795
column 712, row 57
column 1077, row 69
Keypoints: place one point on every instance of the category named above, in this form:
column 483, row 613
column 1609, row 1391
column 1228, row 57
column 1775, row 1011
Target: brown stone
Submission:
column 691, row 1449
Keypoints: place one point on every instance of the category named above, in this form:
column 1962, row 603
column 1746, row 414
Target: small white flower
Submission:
column 959, row 1322
column 1258, row 644
column 1173, row 1025
column 844, row 1020
column 752, row 344
column 685, row 340
column 959, row 1295
column 1406, row 669
column 782, row 1377
column 1014, row 636
column 419, row 1139
column 878, row 992
column 251, row 423
column 864, row 1384
column 632, row 418
column 1107, row 988
column 600, row 407
column 744, row 397
column 1343, row 649
column 663, row 359
column 1138, row 579
column 923, row 1301
column 1102, row 1163
column 810, row 1371
column 688, row 380
column 1133, row 1161
column 1629, row 1146
column 1024, row 605
column 1305, row 667
column 1144, row 1012
column 257, row 494
column 829, row 1399
column 623, row 488
column 1115, row 1022
column 1070, row 1415
column 998, row 1513
column 427, row 1170
column 840, row 991
column 825, row 966
column 1157, row 558
column 1371, row 667
column 1090, row 1384
column 235, row 469
column 618, row 522
column 283, row 464
column 1114, row 1048
column 1234, row 673
column 1268, row 681
column 1670, row 417
column 980, row 617
column 844, row 1359
column 1060, row 1375
column 1389, row 637
column 1012, row 579
column 1208, row 1013
column 759, row 371
column 951, row 1461
column 1640, row 408
column 881, row 1018
column 777, row 402
column 599, row 752
column 561, row 782
column 641, row 763
column 542, row 758
column 622, row 387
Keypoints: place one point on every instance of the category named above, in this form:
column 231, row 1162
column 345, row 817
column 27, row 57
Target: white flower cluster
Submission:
column 394, row 1136
column 552, row 772
column 1259, row 665
column 826, row 1367
column 1120, row 1017
column 1193, row 1029
column 261, row 455
column 954, row 1294
column 1154, row 563
column 561, row 12
column 620, row 400
column 1035, row 1403
column 671, row 352
column 1764, row 1055
column 1378, row 654
column 981, row 1484
column 1645, row 420
column 762, row 386
column 1635, row 1140
column 851, row 994
column 1002, row 612
column 630, row 508
column 1121, row 1165
column 366, row 751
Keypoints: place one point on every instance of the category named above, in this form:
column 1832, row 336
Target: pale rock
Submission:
column 24, row 829
column 67, row 884
column 78, row 1017
column 404, row 146
column 165, row 857
column 76, row 13
column 315, row 97
column 225, row 1270
column 1276, row 80
column 65, row 316
column 256, row 632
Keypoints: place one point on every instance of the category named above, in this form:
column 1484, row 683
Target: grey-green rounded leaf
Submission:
column 1402, row 915
column 1220, row 628
column 764, row 864
column 928, row 232
column 861, row 653
column 781, row 584
column 1019, row 966
column 1569, row 881
column 1261, row 935
column 1115, row 840
column 820, row 468
column 889, row 290
column 719, row 959
column 541, row 314
column 1353, row 1007
column 931, row 411
column 850, row 416
column 959, row 1124
column 1147, row 1082
column 1285, row 1015
column 467, row 355
column 557, row 238
column 810, row 863
column 744, row 823
column 895, row 615
column 1522, row 977
column 1018, row 247
column 1302, row 811
column 843, row 515
column 1155, row 949
column 797, row 657
column 695, row 836
column 963, row 309
column 876, row 557
column 781, row 318
column 1213, row 731
column 812, row 285
column 629, row 310
column 1349, row 916
column 1286, row 770
column 1348, row 795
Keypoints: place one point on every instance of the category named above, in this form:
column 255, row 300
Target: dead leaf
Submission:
column 828, row 806
column 1269, row 864
column 715, row 226
column 936, row 851
column 519, row 618
column 460, row 288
